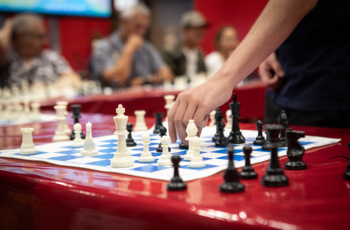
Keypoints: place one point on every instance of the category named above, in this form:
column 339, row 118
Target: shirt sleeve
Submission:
column 101, row 58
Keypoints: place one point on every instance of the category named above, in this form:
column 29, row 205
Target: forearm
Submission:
column 274, row 25
column 4, row 41
column 121, row 70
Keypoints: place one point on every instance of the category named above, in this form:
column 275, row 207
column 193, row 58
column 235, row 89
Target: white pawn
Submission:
column 89, row 144
column 164, row 159
column 66, row 127
column 212, row 118
column 146, row 155
column 140, row 124
column 77, row 142
column 27, row 146
column 60, row 134
column 229, row 120
column 197, row 159
column 191, row 131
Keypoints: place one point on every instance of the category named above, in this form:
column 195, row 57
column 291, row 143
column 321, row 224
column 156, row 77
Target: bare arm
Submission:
column 5, row 41
column 122, row 68
column 274, row 25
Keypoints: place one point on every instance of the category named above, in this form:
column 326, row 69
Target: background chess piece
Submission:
column 283, row 121
column 235, row 136
column 218, row 117
column 162, row 132
column 159, row 122
column 176, row 182
column 274, row 176
column 248, row 170
column 76, row 116
column 295, row 151
column 129, row 140
column 260, row 139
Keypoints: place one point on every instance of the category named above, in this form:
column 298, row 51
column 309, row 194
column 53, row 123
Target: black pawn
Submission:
column 283, row 121
column 235, row 136
column 183, row 146
column 274, row 176
column 231, row 177
column 295, row 151
column 129, row 140
column 159, row 122
column 260, row 139
column 221, row 141
column 218, row 118
column 162, row 132
column 248, row 170
column 267, row 141
column 76, row 116
column 176, row 182
column 346, row 174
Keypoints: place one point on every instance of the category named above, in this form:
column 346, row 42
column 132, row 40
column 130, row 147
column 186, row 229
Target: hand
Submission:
column 134, row 42
column 196, row 104
column 271, row 72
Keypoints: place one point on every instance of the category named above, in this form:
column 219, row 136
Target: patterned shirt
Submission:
column 106, row 52
column 47, row 67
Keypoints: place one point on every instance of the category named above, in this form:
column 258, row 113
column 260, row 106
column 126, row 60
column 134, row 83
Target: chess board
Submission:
column 43, row 118
column 215, row 157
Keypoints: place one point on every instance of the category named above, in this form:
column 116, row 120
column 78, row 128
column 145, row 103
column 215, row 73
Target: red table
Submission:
column 251, row 95
column 44, row 196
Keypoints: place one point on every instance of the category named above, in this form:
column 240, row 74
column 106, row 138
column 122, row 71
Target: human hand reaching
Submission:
column 271, row 72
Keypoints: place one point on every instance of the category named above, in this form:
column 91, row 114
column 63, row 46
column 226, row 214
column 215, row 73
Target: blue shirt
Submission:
column 106, row 52
column 316, row 60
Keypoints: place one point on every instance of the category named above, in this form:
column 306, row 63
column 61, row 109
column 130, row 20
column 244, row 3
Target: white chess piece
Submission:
column 191, row 131
column 146, row 155
column 35, row 111
column 89, row 144
column 229, row 120
column 60, row 134
column 27, row 146
column 197, row 159
column 66, row 127
column 169, row 100
column 164, row 159
column 140, row 124
column 212, row 118
column 77, row 142
column 26, row 109
column 122, row 157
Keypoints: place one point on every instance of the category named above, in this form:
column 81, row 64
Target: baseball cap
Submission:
column 193, row 19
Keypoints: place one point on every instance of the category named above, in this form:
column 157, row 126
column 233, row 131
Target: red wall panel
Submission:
column 241, row 14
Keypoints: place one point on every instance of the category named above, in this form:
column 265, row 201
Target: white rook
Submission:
column 169, row 100
column 140, row 124
column 27, row 146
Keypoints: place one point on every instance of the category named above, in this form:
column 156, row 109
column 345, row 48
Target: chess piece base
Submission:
column 236, row 138
column 146, row 159
column 275, row 180
column 221, row 143
column 248, row 173
column 28, row 151
column 130, row 143
column 78, row 144
column 176, row 184
column 231, row 187
column 183, row 146
column 60, row 137
column 188, row 157
column 295, row 165
column 122, row 161
column 72, row 136
column 259, row 141
column 164, row 162
column 160, row 149
column 198, row 164
column 89, row 153
column 346, row 175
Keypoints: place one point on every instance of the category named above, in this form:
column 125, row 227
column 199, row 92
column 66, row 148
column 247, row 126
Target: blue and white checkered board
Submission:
column 216, row 158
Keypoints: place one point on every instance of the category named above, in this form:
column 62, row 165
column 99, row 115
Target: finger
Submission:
column 265, row 74
column 277, row 68
column 199, row 132
column 171, row 124
column 200, row 117
column 189, row 114
column 273, row 86
column 180, row 128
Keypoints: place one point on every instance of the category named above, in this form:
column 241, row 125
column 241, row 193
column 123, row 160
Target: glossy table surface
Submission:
column 44, row 196
column 251, row 95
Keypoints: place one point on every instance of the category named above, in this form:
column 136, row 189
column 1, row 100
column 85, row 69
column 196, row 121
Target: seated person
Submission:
column 125, row 58
column 23, row 57
column 226, row 41
column 186, row 58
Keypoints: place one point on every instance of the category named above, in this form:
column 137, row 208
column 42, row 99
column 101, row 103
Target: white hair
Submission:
column 139, row 8
column 22, row 23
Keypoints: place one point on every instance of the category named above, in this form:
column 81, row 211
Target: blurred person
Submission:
column 226, row 41
column 186, row 57
column 23, row 57
column 125, row 58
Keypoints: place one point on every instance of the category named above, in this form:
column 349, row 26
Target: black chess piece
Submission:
column 346, row 174
column 231, row 177
column 76, row 116
column 221, row 140
column 235, row 136
column 274, row 176
column 159, row 122
column 129, row 140
column 162, row 132
column 283, row 121
column 218, row 117
column 260, row 139
column 295, row 151
column 176, row 182
column 248, row 170
column 183, row 146
column 267, row 141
